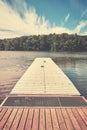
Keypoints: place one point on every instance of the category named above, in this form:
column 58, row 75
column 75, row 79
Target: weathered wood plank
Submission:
column 29, row 119
column 17, row 119
column 10, row 120
column 5, row 118
column 2, row 113
column 42, row 120
column 48, row 119
column 79, row 119
column 67, row 119
column 54, row 120
column 0, row 109
column 61, row 119
column 23, row 119
column 85, row 110
column 35, row 124
column 73, row 119
column 83, row 115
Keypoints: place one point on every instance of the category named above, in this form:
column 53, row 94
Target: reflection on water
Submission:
column 14, row 64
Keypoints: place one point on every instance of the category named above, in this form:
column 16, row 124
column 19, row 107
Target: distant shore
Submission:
column 51, row 43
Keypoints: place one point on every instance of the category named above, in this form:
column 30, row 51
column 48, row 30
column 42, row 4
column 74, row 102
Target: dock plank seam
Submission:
column 53, row 119
column 70, row 119
column 73, row 119
column 83, row 116
column 80, row 119
column 10, row 120
column 26, row 119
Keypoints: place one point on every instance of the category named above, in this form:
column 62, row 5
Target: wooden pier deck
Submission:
column 43, row 118
column 44, row 99
column 44, row 77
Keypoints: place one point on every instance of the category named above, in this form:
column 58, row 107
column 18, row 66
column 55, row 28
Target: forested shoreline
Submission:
column 51, row 42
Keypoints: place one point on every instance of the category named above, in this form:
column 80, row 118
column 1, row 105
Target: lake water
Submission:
column 13, row 64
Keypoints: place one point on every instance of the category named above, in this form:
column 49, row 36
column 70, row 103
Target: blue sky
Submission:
column 33, row 17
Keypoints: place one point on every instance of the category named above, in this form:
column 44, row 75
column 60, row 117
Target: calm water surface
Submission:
column 14, row 64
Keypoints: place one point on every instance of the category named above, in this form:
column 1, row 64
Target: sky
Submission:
column 37, row 17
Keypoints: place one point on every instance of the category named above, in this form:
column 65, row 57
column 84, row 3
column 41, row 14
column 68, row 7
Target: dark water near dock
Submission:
column 13, row 64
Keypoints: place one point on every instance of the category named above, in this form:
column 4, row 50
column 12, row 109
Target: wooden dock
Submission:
column 44, row 77
column 44, row 99
column 43, row 118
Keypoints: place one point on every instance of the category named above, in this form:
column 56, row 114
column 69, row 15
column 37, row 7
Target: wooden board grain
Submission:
column 5, row 118
column 10, row 120
column 79, row 119
column 16, row 121
column 44, row 119
column 42, row 122
column 55, row 120
column 29, row 119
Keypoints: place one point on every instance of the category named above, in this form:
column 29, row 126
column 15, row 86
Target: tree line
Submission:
column 51, row 42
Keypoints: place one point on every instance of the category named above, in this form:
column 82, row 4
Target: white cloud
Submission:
column 81, row 25
column 29, row 24
column 84, row 13
column 13, row 25
column 67, row 17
